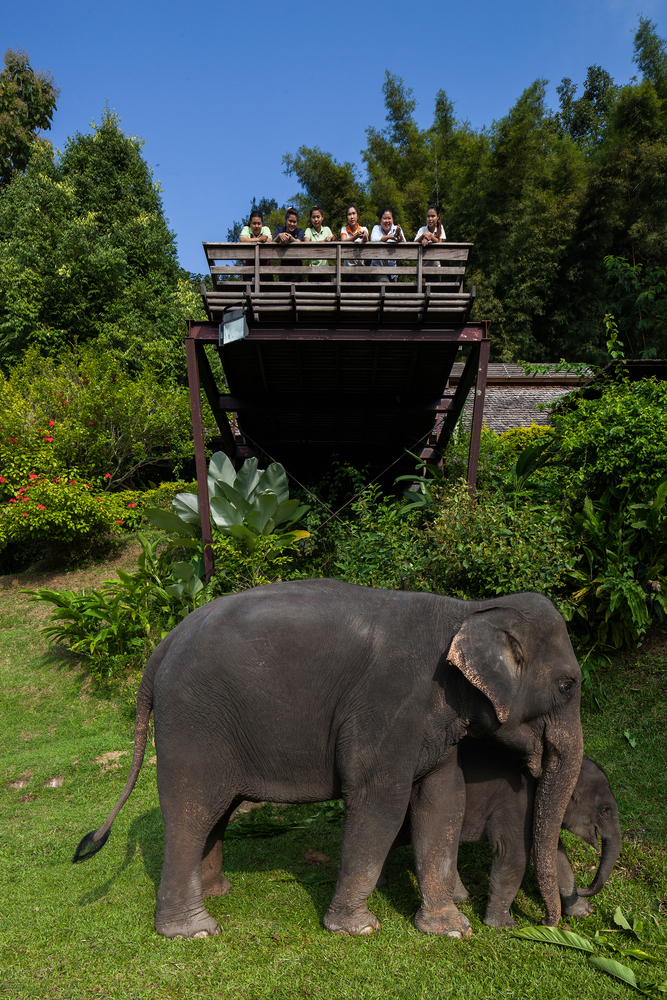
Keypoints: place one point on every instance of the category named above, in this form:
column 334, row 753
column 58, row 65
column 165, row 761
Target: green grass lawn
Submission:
column 86, row 931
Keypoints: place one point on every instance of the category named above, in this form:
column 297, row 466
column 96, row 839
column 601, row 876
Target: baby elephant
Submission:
column 499, row 809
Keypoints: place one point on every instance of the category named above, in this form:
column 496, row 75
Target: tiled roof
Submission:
column 509, row 407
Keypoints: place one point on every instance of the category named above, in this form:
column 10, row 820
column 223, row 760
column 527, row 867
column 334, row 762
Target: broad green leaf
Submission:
column 224, row 513
column 274, row 480
column 186, row 506
column 619, row 918
column 237, row 499
column 285, row 511
column 614, row 968
column 221, row 468
column 554, row 935
column 167, row 521
column 247, row 478
column 244, row 534
column 183, row 571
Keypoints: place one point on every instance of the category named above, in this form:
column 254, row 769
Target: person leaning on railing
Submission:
column 386, row 232
column 289, row 233
column 351, row 233
column 432, row 232
column 256, row 232
column 317, row 233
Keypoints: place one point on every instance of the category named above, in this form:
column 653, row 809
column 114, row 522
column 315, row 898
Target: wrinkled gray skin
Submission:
column 317, row 689
column 500, row 793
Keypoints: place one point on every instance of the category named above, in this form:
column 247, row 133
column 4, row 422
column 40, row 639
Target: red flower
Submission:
column 25, row 513
column 119, row 522
column 40, row 506
column 108, row 475
column 13, row 500
column 13, row 440
column 32, row 476
column 129, row 505
column 24, row 499
column 2, row 479
column 48, row 439
column 91, row 423
column 52, row 423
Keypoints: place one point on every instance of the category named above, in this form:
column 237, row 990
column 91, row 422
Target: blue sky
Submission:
column 219, row 92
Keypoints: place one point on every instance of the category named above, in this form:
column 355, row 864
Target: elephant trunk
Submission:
column 611, row 848
column 561, row 764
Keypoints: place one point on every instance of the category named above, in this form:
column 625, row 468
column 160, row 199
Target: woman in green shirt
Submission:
column 317, row 233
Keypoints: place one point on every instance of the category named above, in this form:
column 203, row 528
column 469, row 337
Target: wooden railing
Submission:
column 260, row 263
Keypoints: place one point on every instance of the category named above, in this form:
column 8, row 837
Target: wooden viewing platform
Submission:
column 344, row 365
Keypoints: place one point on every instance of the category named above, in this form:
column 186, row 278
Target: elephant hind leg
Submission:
column 213, row 882
column 188, row 830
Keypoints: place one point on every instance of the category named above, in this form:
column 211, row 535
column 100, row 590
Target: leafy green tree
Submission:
column 27, row 103
column 398, row 157
column 86, row 255
column 325, row 182
column 650, row 54
column 586, row 119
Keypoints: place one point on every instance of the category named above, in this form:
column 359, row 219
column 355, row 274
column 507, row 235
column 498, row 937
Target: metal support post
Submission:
column 191, row 347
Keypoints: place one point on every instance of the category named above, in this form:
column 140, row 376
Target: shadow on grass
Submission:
column 146, row 833
column 286, row 853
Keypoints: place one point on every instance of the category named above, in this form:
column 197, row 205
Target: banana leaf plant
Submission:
column 246, row 505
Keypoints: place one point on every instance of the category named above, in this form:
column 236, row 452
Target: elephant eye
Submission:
column 606, row 810
column 565, row 687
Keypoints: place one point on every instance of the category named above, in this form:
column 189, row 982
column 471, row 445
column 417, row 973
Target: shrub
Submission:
column 483, row 547
column 61, row 517
column 618, row 440
column 84, row 416
column 120, row 624
column 381, row 547
column 622, row 576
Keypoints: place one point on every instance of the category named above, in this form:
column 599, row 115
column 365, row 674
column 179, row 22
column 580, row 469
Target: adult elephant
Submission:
column 311, row 690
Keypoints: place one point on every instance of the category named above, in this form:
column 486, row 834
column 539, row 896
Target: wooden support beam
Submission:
column 200, row 456
column 213, row 396
column 468, row 378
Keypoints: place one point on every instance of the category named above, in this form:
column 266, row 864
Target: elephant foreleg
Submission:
column 372, row 820
column 437, row 807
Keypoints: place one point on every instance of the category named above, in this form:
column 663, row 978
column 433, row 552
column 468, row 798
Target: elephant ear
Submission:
column 488, row 654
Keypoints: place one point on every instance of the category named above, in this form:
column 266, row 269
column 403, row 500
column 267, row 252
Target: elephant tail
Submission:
column 96, row 839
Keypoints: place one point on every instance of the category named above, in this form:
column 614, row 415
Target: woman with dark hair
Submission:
column 432, row 232
column 386, row 232
column 352, row 233
column 289, row 233
column 255, row 231
column 317, row 233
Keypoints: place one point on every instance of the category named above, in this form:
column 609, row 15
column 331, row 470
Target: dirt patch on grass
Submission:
column 21, row 782
column 110, row 760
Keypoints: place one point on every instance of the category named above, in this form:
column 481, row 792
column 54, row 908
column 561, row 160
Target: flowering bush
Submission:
column 62, row 516
column 84, row 416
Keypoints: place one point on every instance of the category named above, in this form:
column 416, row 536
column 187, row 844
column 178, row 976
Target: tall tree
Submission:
column 327, row 183
column 86, row 254
column 650, row 54
column 27, row 104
